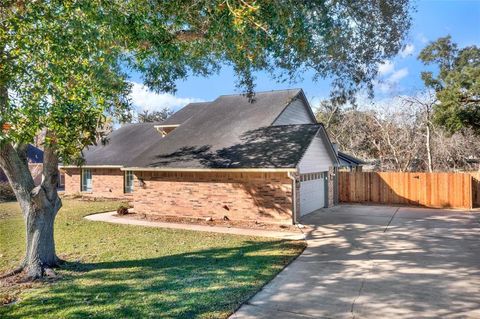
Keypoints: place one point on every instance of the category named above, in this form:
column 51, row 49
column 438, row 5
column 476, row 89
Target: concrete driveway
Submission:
column 379, row 262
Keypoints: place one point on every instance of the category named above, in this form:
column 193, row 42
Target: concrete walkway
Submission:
column 111, row 217
column 379, row 262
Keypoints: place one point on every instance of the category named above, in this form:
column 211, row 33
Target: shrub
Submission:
column 122, row 210
column 6, row 192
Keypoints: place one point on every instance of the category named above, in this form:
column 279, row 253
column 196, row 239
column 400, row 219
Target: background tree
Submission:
column 154, row 116
column 62, row 70
column 457, row 84
column 399, row 135
column 424, row 105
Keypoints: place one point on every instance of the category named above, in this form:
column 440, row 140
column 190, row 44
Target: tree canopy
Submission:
column 64, row 68
column 457, row 83
column 64, row 64
column 154, row 116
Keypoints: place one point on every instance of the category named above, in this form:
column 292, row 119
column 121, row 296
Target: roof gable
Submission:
column 298, row 111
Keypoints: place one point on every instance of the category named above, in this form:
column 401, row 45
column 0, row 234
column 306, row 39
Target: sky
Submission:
column 400, row 76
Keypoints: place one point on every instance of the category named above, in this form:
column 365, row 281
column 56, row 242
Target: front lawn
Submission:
column 119, row 271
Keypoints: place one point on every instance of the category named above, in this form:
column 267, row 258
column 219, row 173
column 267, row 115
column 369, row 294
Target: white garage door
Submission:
column 312, row 192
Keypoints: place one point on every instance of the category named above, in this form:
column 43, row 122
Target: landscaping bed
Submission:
column 213, row 222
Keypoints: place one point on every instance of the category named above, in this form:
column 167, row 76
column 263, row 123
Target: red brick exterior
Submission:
column 106, row 182
column 265, row 197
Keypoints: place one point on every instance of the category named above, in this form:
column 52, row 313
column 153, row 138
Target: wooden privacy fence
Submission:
column 440, row 190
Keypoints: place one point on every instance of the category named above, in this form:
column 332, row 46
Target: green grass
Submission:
column 119, row 271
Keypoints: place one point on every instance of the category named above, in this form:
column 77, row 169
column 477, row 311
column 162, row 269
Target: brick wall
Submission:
column 106, row 182
column 263, row 197
column 72, row 180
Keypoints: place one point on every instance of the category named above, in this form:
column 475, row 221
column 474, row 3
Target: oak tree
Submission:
column 64, row 70
column 457, row 84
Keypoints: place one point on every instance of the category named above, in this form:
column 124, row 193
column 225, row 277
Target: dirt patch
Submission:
column 87, row 198
column 212, row 222
column 13, row 283
column 12, row 286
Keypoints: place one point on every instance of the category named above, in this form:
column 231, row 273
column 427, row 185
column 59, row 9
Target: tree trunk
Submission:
column 39, row 205
column 429, row 149
column 40, row 247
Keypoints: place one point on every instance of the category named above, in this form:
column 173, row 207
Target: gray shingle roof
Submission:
column 264, row 147
column 231, row 132
column 123, row 145
column 185, row 113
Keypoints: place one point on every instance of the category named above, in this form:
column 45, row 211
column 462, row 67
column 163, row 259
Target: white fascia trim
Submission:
column 90, row 166
column 165, row 126
column 160, row 169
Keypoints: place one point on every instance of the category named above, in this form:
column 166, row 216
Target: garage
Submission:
column 313, row 192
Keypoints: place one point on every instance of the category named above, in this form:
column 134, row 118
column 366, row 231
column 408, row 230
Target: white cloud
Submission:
column 407, row 50
column 385, row 87
column 398, row 75
column 389, row 83
column 422, row 38
column 385, row 68
column 144, row 99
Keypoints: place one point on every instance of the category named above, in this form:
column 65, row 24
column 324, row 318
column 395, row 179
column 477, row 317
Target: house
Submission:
column 349, row 162
column 35, row 164
column 263, row 160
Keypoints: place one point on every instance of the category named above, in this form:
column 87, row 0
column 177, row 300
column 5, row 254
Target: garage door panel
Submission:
column 312, row 194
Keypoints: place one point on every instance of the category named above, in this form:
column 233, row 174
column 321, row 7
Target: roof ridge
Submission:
column 300, row 124
column 260, row 92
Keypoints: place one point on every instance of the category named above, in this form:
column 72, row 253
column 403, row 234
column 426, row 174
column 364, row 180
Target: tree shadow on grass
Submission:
column 209, row 283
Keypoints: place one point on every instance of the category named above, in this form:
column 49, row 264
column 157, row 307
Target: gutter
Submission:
column 164, row 169
column 90, row 166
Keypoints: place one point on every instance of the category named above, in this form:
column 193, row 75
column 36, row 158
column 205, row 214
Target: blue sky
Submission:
column 432, row 19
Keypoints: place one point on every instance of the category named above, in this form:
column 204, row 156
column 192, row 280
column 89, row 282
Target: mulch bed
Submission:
column 213, row 222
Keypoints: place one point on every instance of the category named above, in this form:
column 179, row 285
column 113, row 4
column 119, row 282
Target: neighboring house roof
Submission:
column 34, row 154
column 348, row 160
column 122, row 145
column 232, row 132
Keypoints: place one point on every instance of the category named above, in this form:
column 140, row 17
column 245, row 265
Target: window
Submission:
column 86, row 180
column 128, row 182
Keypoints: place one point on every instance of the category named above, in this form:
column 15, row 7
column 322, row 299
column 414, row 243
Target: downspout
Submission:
column 294, row 196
